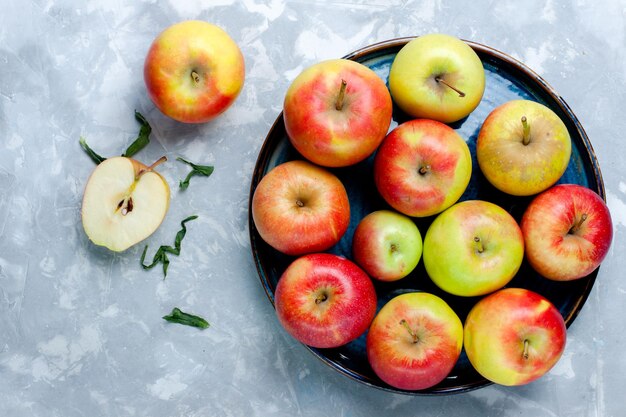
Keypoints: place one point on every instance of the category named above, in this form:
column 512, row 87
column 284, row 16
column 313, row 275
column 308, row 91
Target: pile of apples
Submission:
column 338, row 113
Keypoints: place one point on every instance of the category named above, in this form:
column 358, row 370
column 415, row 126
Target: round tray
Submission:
column 506, row 79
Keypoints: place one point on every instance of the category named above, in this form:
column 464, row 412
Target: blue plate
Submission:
column 506, row 79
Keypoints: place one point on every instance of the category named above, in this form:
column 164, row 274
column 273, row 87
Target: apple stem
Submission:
column 479, row 244
column 424, row 169
column 442, row 81
column 578, row 225
column 526, row 345
column 299, row 203
column 404, row 323
column 151, row 167
column 526, row 128
column 321, row 298
column 341, row 96
column 195, row 77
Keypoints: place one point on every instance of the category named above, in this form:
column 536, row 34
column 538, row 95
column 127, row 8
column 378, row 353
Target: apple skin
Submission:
column 496, row 331
column 460, row 265
column 194, row 71
column 416, row 68
column 428, row 146
column 300, row 208
column 387, row 245
column 331, row 137
column 555, row 246
column 325, row 300
column 107, row 217
column 414, row 341
column 509, row 164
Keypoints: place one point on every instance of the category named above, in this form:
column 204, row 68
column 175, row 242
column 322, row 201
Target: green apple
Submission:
column 438, row 77
column 523, row 147
column 473, row 248
column 387, row 245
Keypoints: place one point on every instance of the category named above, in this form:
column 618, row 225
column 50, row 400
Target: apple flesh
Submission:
column 414, row 341
column 568, row 232
column 300, row 208
column 422, row 167
column 337, row 112
column 437, row 76
column 324, row 300
column 514, row 336
column 194, row 71
column 473, row 248
column 387, row 245
column 523, row 147
column 124, row 202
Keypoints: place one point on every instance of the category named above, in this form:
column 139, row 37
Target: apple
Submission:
column 523, row 147
column 387, row 245
column 567, row 231
column 437, row 76
column 124, row 202
column 298, row 208
column 324, row 300
column 337, row 112
column 193, row 71
column 414, row 341
column 422, row 167
column 473, row 248
column 514, row 336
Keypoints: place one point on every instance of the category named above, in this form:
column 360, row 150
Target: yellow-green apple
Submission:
column 387, row 245
column 194, row 71
column 124, row 202
column 473, row 248
column 437, row 76
column 298, row 208
column 567, row 231
column 414, row 341
column 422, row 167
column 325, row 300
column 337, row 112
column 514, row 336
column 523, row 147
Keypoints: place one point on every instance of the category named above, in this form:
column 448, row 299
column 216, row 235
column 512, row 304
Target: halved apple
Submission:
column 124, row 202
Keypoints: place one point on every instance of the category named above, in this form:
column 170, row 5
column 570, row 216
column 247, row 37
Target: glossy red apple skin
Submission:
column 423, row 358
column 325, row 135
column 325, row 300
column 504, row 325
column 300, row 208
column 422, row 167
column 555, row 246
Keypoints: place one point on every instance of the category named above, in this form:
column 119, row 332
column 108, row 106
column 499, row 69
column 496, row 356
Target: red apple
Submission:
column 300, row 208
column 194, row 71
column 324, row 300
column 414, row 341
column 337, row 112
column 567, row 232
column 514, row 336
column 422, row 167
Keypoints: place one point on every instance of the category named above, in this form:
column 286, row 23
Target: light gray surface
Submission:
column 81, row 332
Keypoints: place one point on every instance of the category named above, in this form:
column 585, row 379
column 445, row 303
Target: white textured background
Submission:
column 81, row 332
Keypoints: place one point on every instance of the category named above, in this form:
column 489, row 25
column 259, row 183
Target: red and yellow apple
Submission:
column 414, row 341
column 473, row 248
column 194, row 71
column 124, row 202
column 387, row 245
column 437, row 76
column 567, row 231
column 422, row 167
column 523, row 147
column 337, row 112
column 514, row 336
column 298, row 208
column 324, row 300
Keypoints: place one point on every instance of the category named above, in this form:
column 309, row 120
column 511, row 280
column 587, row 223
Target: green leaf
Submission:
column 180, row 317
column 94, row 156
column 160, row 257
column 205, row 170
column 143, row 138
